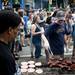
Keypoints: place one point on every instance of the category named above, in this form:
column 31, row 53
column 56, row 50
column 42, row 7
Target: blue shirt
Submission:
column 55, row 36
column 26, row 20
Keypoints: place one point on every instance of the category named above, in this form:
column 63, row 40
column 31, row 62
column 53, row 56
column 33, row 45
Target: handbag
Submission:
column 46, row 44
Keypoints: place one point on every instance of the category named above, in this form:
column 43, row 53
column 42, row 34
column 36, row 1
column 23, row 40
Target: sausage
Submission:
column 72, row 66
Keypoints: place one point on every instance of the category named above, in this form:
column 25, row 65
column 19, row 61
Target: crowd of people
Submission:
column 38, row 29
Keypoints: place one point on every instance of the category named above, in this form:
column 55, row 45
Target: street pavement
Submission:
column 25, row 56
column 26, row 51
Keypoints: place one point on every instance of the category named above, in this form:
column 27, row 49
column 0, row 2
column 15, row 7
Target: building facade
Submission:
column 29, row 4
column 10, row 3
column 36, row 4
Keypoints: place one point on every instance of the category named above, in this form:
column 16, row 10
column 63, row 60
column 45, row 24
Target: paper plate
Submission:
column 30, row 70
column 39, row 71
column 24, row 67
column 38, row 64
column 31, row 62
column 23, row 70
column 31, row 66
column 24, row 63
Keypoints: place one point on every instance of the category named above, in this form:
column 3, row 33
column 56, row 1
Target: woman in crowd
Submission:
column 36, row 36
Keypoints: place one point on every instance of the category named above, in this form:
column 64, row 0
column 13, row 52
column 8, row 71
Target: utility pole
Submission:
column 0, row 5
column 56, row 4
column 49, row 5
column 33, row 4
column 41, row 4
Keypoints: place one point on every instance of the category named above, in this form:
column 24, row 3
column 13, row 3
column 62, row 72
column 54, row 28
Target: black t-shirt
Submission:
column 7, row 62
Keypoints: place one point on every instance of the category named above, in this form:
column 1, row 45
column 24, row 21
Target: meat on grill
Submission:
column 61, row 63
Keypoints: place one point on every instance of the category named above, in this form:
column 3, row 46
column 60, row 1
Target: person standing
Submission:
column 22, row 34
column 36, row 36
column 68, row 28
column 55, row 34
column 9, row 22
column 73, row 38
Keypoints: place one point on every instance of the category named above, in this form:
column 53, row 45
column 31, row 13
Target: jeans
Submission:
column 37, row 49
column 18, row 70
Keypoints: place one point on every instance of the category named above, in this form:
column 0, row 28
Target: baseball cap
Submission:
column 60, row 15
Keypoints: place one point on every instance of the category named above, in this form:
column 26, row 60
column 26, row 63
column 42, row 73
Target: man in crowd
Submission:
column 55, row 34
column 9, row 22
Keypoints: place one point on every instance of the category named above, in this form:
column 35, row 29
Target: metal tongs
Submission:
column 51, row 53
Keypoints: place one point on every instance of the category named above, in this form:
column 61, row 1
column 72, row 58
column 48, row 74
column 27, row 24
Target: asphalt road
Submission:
column 26, row 52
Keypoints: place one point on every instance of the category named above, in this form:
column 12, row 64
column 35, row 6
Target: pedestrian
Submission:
column 73, row 38
column 55, row 35
column 22, row 34
column 25, row 17
column 9, row 22
column 36, row 36
column 68, row 31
